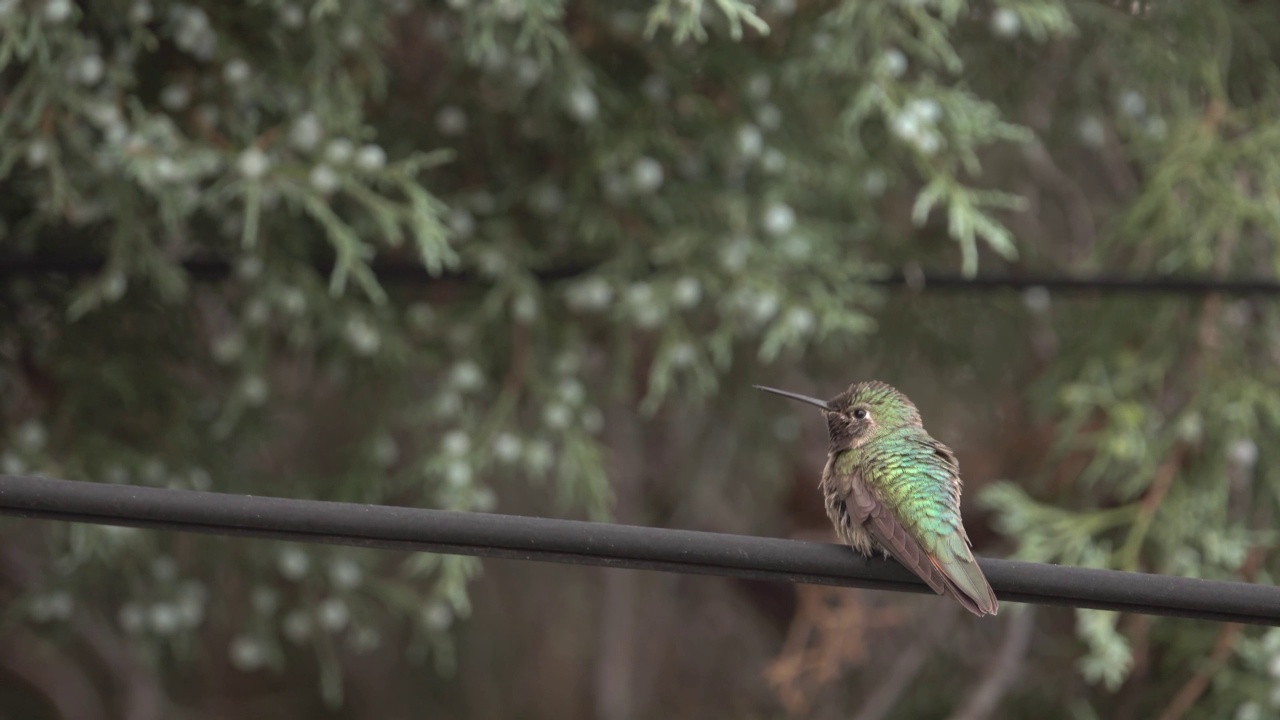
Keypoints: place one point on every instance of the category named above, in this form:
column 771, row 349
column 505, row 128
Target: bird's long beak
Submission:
column 796, row 396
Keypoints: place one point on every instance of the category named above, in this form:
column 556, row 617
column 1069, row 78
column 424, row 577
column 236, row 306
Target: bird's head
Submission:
column 861, row 412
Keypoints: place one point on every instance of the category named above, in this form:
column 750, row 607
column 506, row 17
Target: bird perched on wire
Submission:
column 889, row 485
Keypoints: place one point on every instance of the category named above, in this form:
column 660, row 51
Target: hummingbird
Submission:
column 889, row 485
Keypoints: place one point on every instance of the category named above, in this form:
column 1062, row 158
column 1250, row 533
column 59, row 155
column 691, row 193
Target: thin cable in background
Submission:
column 210, row 270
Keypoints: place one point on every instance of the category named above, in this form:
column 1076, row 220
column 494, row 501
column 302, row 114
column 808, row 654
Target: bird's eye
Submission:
column 859, row 414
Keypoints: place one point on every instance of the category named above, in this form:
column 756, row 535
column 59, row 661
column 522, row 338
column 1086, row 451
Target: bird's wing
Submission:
column 878, row 520
column 955, row 573
column 951, row 546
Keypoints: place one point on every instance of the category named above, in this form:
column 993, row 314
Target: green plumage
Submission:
column 889, row 485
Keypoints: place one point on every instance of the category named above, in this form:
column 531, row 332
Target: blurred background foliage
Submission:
column 530, row 256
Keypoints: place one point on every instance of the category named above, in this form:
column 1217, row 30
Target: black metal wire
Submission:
column 407, row 273
column 622, row 546
column 1102, row 284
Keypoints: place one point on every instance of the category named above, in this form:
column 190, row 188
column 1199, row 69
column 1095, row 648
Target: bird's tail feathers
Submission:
column 966, row 583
